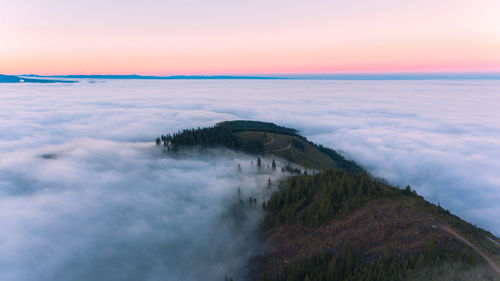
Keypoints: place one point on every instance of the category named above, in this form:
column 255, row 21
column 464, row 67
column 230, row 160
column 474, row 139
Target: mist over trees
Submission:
column 313, row 199
column 223, row 134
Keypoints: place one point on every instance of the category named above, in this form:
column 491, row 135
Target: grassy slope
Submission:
column 279, row 145
column 255, row 137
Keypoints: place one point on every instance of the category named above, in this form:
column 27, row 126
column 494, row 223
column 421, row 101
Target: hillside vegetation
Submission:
column 340, row 223
column 260, row 138
column 338, row 226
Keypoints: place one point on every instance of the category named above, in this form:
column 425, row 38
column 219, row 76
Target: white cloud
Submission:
column 104, row 210
column 108, row 204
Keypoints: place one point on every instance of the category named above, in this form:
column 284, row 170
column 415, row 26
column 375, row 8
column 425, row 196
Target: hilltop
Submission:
column 263, row 138
column 341, row 223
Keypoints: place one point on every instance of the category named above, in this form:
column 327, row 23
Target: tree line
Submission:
column 223, row 134
column 317, row 199
column 210, row 136
column 433, row 263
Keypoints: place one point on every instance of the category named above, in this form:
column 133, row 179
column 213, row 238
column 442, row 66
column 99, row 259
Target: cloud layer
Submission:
column 103, row 210
column 85, row 195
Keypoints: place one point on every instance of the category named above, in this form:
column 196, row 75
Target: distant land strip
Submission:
column 369, row 76
column 174, row 77
column 21, row 79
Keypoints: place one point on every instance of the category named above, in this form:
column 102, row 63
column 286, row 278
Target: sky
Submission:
column 246, row 37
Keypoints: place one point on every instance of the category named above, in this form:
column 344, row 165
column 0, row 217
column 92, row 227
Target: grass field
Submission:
column 290, row 148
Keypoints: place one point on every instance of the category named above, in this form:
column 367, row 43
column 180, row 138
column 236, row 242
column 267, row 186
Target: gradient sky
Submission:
column 248, row 36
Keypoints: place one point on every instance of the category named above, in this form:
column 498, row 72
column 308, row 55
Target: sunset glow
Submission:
column 197, row 37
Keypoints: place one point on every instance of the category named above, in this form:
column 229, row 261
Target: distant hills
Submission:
column 33, row 78
column 20, row 79
column 350, row 76
column 398, row 76
column 150, row 77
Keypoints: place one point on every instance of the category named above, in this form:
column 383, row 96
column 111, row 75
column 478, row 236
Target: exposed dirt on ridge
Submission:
column 474, row 247
column 376, row 227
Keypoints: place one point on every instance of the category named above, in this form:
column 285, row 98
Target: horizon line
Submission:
column 293, row 76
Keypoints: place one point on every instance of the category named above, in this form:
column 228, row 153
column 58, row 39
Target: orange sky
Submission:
column 241, row 37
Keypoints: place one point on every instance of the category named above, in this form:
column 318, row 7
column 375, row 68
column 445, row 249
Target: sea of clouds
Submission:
column 86, row 195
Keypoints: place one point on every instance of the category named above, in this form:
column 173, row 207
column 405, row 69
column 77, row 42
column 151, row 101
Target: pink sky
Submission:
column 241, row 37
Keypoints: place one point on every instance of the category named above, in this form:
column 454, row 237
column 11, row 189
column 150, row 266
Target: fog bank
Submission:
column 103, row 210
column 84, row 194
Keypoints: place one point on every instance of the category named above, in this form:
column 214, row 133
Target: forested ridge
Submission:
column 313, row 201
column 433, row 263
column 341, row 223
column 224, row 134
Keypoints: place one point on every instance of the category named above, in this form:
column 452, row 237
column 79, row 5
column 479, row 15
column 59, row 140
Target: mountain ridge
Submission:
column 338, row 222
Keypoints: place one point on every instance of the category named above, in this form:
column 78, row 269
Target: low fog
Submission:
column 102, row 210
column 85, row 194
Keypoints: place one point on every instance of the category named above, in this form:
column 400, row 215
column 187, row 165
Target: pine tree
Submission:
column 407, row 190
